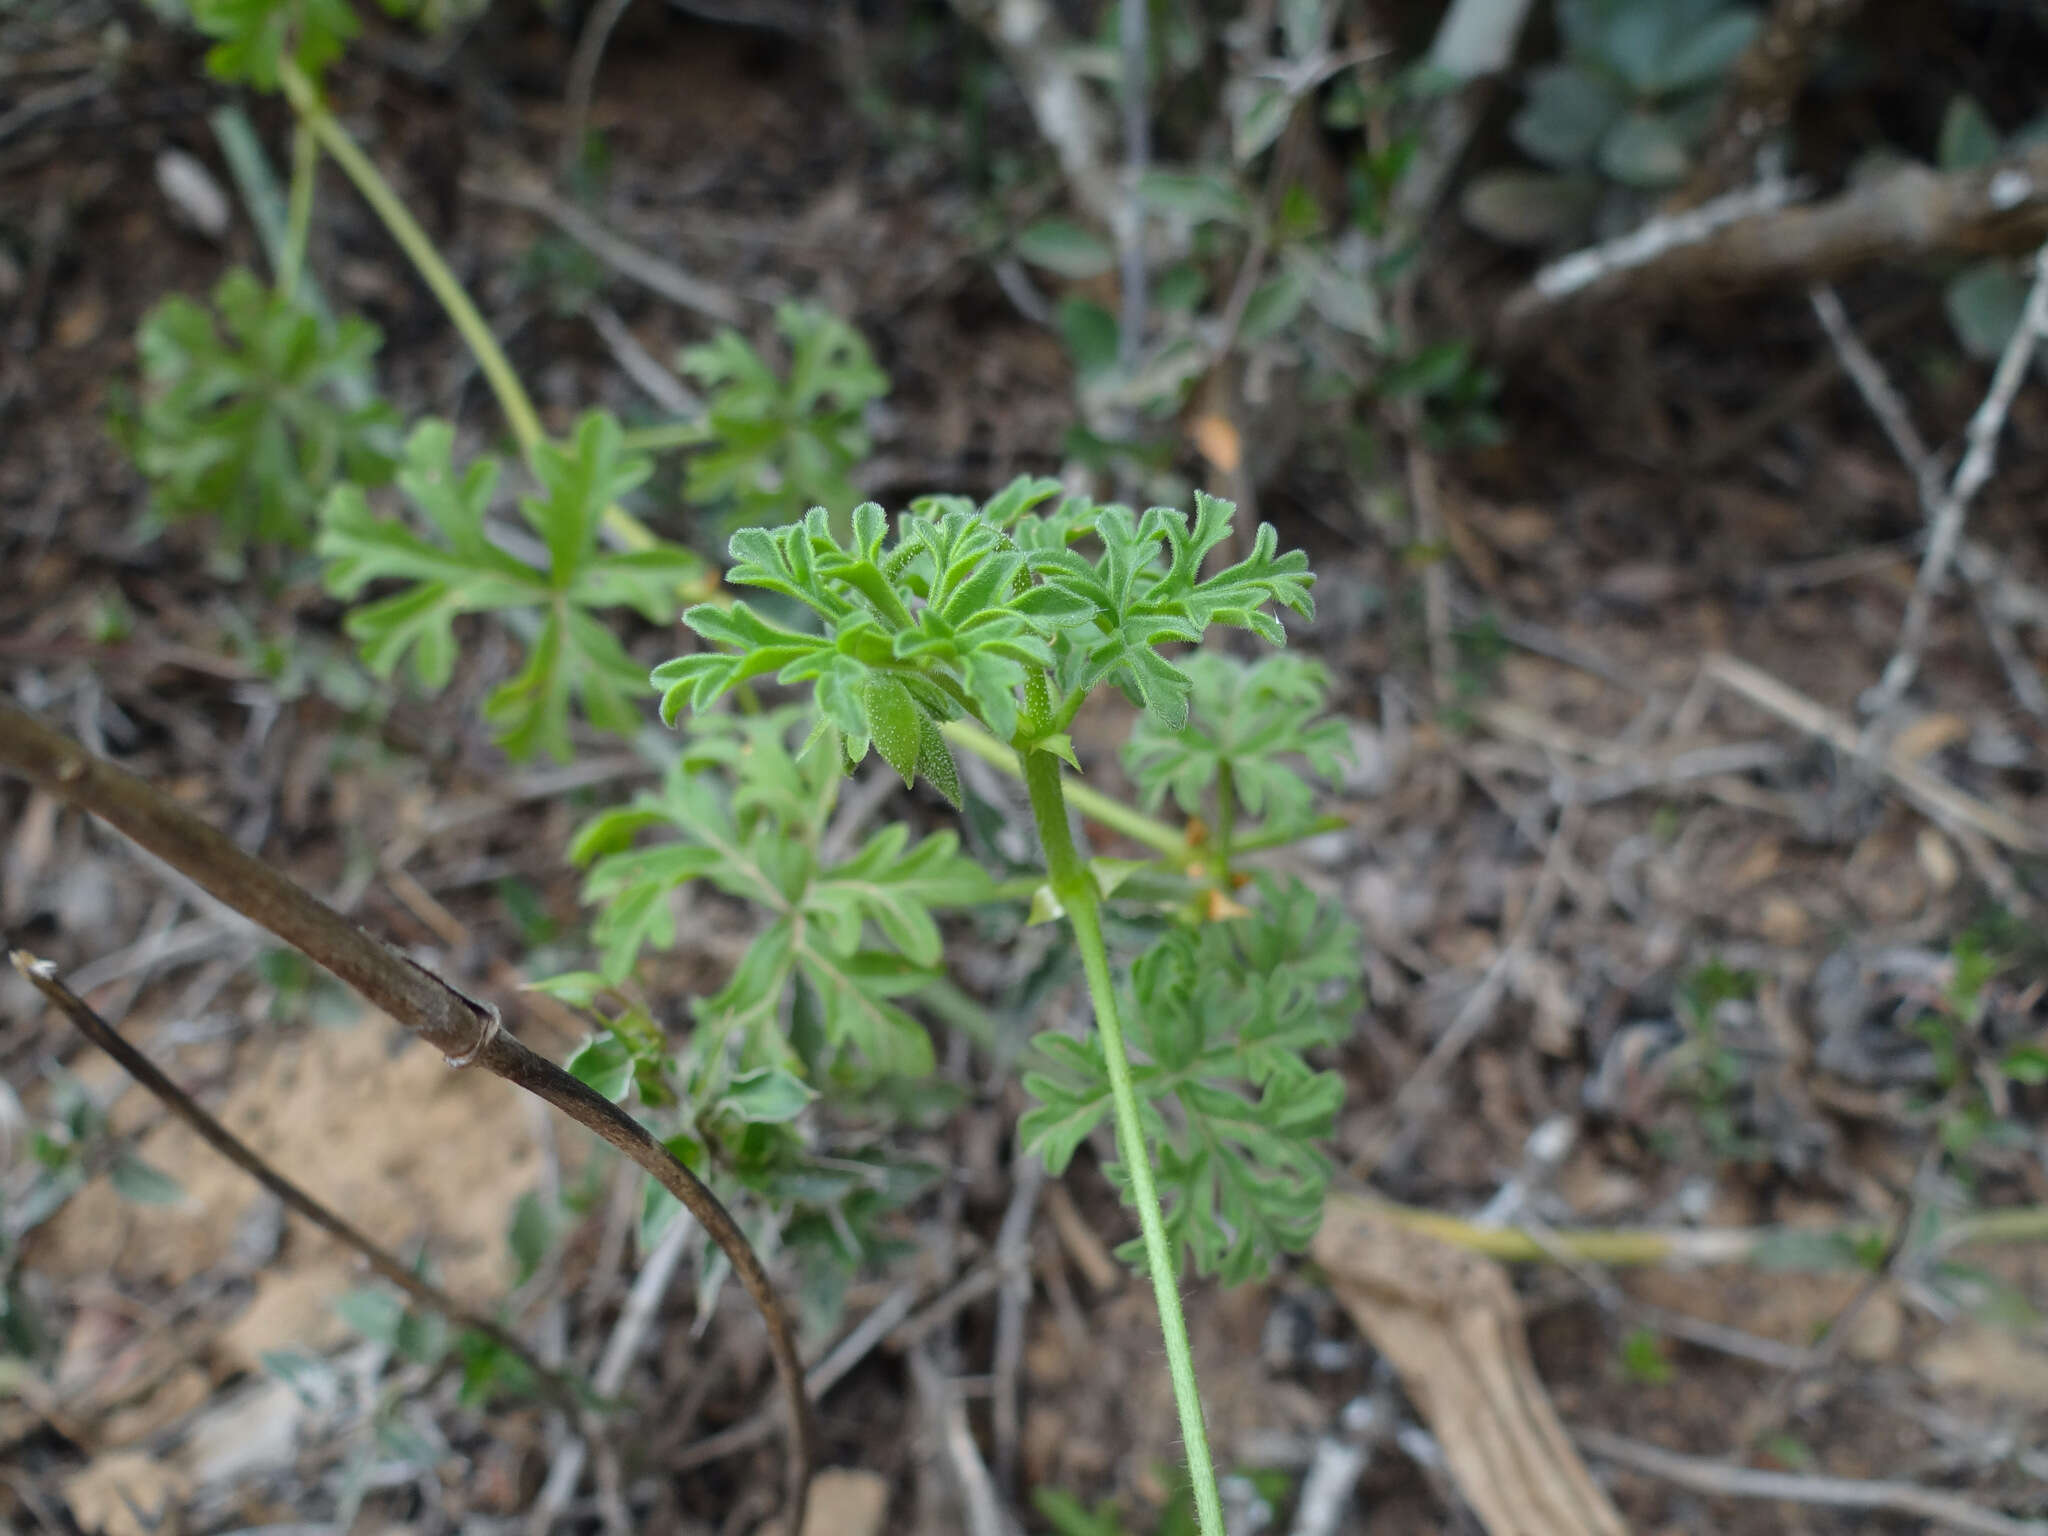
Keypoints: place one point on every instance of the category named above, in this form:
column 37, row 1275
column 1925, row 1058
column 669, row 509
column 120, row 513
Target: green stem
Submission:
column 1281, row 837
column 419, row 249
column 1226, row 821
column 1075, row 887
column 298, row 227
column 665, row 436
column 1095, row 805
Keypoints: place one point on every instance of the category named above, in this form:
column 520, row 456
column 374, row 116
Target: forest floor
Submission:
column 1688, row 557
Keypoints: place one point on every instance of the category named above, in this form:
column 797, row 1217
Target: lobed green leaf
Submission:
column 1220, row 1018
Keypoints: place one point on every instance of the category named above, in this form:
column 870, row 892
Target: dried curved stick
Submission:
column 465, row 1031
column 42, row 975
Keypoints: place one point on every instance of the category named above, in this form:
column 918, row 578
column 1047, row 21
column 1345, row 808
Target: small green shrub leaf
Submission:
column 1968, row 140
column 1645, row 149
column 1064, row 247
column 253, row 38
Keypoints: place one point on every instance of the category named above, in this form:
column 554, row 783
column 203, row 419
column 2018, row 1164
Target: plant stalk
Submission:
column 419, row 249
column 1226, row 822
column 1092, row 803
column 1075, row 886
column 298, row 228
column 469, row 322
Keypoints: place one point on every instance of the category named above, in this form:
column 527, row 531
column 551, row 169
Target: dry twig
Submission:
column 1945, row 512
column 1718, row 1477
column 980, row 1506
column 643, row 1301
column 1939, row 800
column 615, row 251
column 465, row 1031
column 1905, row 216
column 583, row 66
column 43, row 976
column 1035, row 45
column 1013, row 1265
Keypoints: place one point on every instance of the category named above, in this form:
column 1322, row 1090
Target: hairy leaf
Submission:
column 255, row 37
column 457, row 567
column 1258, row 721
column 750, row 826
column 781, row 445
column 1220, row 1017
column 240, row 413
column 966, row 606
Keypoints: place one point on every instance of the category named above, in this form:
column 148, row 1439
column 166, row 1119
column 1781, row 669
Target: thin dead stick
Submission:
column 1133, row 50
column 1936, row 798
column 1718, row 1477
column 1013, row 1264
column 1903, row 216
column 822, row 1378
column 583, row 66
column 42, row 974
column 983, row 1281
column 640, row 365
column 642, row 1302
column 1648, row 243
column 465, row 1031
column 979, row 1505
column 615, row 251
column 1039, row 51
column 1945, row 520
column 1979, row 567
column 1695, row 1247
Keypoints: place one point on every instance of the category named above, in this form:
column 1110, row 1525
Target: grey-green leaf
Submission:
column 1644, row 149
column 1064, row 247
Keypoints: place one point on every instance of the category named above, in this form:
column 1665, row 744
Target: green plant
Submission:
column 1263, row 1492
column 975, row 627
column 244, row 416
column 461, row 569
column 1711, row 1069
column 770, row 446
column 1626, row 106
column 1009, row 615
column 1966, row 1066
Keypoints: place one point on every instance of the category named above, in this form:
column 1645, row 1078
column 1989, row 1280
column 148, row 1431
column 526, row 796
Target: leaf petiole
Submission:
column 291, row 261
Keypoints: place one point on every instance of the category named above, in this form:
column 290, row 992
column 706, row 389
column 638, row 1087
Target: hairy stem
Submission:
column 1226, row 822
column 43, row 976
column 466, row 1032
column 298, row 227
column 1092, row 803
column 1075, row 887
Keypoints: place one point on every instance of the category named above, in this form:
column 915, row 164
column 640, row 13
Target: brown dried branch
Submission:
column 465, row 1031
column 42, row 974
column 1905, row 216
